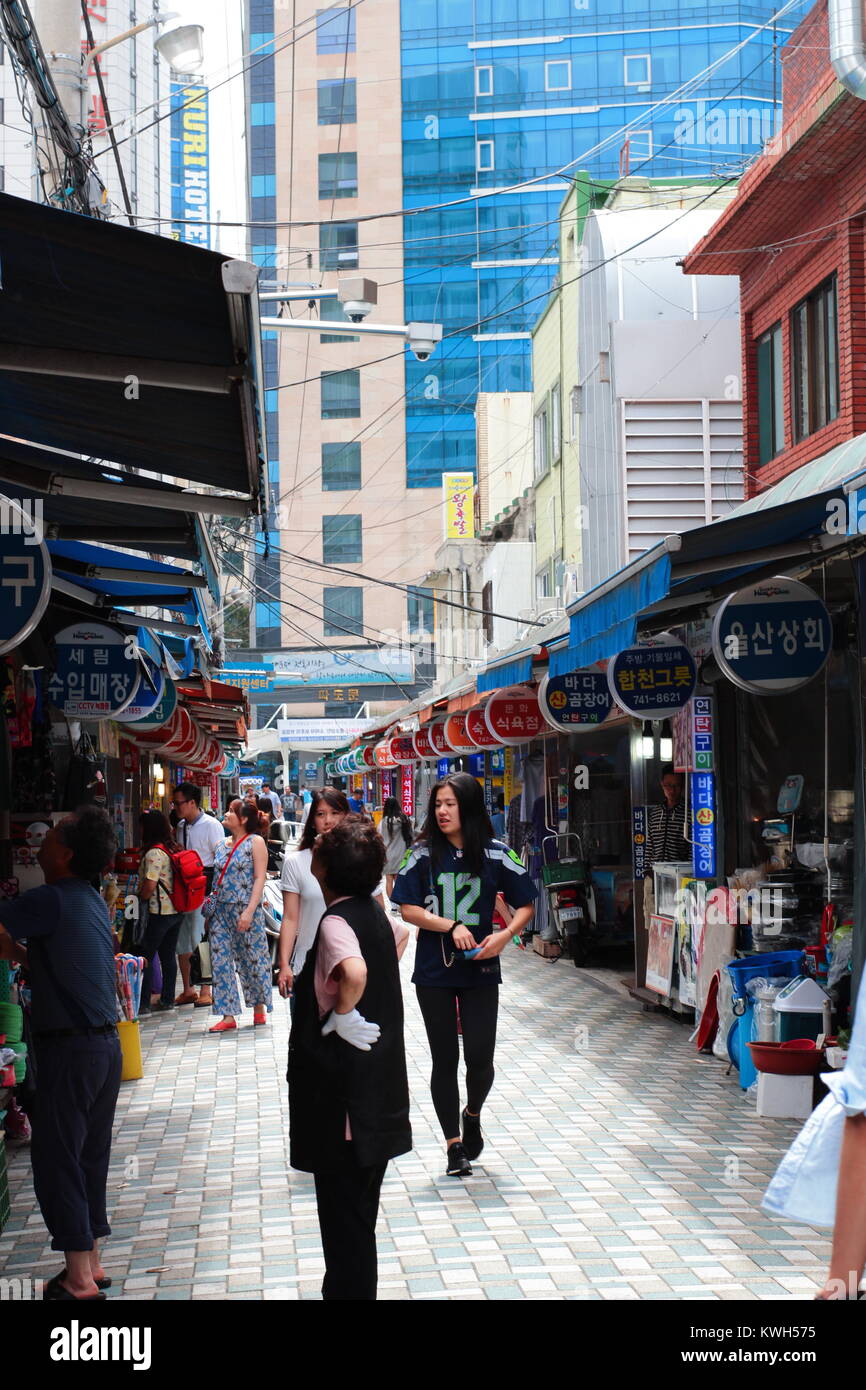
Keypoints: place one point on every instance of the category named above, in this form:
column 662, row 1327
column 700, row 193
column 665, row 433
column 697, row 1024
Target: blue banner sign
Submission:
column 652, row 682
column 703, row 787
column 97, row 671
column 773, row 637
column 190, row 168
column 578, row 700
column 638, row 841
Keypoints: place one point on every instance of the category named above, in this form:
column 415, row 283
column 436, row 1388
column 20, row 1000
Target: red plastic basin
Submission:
column 797, row 1057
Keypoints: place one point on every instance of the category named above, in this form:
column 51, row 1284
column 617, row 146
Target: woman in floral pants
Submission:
column 236, row 930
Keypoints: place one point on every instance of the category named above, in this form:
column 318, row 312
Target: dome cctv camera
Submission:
column 357, row 296
column 423, row 339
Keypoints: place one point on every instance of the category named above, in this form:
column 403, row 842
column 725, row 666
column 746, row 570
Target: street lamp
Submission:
column 181, row 45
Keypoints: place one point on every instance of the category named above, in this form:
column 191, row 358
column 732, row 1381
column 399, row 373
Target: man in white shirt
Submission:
column 268, row 791
column 204, row 834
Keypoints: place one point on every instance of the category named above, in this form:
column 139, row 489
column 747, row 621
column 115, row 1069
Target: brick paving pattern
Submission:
column 619, row 1165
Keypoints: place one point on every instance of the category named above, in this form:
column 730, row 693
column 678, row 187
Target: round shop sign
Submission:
column 403, row 749
column 456, row 736
column 578, row 700
column 330, row 769
column 162, row 711
column 652, row 681
column 513, row 716
column 25, row 574
column 438, row 741
column 369, row 755
column 231, row 767
column 772, row 637
column 97, row 671
column 422, row 744
column 357, row 759
column 383, row 756
column 151, row 689
column 476, row 728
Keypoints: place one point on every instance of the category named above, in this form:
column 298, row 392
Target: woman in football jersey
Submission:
column 448, row 887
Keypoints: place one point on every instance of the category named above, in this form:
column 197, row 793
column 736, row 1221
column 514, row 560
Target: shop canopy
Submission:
column 514, row 665
column 794, row 526
column 82, row 500
column 131, row 348
column 117, row 583
column 221, row 710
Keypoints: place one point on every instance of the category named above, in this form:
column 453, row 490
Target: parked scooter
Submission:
column 569, row 894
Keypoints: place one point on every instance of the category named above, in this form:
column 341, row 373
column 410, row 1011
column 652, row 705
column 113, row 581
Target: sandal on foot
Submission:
column 189, row 996
column 203, row 1004
column 55, row 1292
column 224, row 1026
column 259, row 1019
column 104, row 1283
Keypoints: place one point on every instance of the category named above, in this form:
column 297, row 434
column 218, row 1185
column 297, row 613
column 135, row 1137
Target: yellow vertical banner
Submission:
column 508, row 778
column 459, row 493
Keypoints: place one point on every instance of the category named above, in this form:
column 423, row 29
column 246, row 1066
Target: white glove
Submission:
column 353, row 1028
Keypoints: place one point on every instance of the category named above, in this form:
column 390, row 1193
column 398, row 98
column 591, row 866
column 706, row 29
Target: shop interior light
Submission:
column 666, row 748
column 160, row 789
column 647, row 743
column 157, row 772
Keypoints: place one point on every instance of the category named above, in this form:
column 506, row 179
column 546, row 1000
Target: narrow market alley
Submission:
column 619, row 1165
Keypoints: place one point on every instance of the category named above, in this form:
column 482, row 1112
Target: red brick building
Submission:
column 795, row 237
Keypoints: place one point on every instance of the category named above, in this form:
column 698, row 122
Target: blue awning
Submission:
column 112, row 579
column 604, row 625
column 514, row 672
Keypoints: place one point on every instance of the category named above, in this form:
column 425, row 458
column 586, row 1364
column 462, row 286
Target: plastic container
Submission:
column 800, row 1007
column 799, row 1057
column 130, row 1046
column 786, row 963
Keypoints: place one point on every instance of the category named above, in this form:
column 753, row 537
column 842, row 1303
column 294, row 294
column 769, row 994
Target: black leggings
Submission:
column 478, row 1010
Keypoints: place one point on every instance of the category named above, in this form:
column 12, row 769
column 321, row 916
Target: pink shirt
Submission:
column 337, row 942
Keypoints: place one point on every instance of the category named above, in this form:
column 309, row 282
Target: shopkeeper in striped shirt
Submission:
column 666, row 824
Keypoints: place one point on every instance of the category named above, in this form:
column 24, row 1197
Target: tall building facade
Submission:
column 497, row 100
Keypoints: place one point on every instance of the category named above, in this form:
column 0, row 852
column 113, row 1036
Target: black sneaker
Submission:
column 458, row 1163
column 160, row 1007
column 473, row 1139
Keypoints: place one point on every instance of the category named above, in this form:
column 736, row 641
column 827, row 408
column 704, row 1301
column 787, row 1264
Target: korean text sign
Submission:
column 652, row 682
column 773, row 637
column 580, row 699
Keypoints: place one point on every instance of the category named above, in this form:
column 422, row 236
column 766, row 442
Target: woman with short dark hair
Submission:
column 348, row 1092
column 155, row 885
column 457, row 866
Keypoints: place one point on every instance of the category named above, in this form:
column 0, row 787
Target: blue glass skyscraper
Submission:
column 498, row 93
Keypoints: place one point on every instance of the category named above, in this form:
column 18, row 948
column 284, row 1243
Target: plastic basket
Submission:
column 566, row 871
column 787, row 964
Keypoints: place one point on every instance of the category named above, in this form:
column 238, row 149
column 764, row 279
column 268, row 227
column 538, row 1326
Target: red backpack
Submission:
column 188, row 880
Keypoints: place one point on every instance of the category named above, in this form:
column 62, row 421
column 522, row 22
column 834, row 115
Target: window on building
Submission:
column 343, row 611
column 341, row 538
column 486, row 614
column 484, row 156
column 544, row 582
column 541, row 446
column 335, row 30
column 338, row 245
column 337, row 104
column 332, row 309
column 771, row 417
column 341, row 467
column 420, row 610
column 814, row 361
column 556, row 422
column 557, row 75
column 640, row 145
column 638, row 69
column 338, row 175
column 484, row 82
column 341, row 395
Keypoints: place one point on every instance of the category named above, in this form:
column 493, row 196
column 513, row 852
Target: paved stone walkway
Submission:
column 619, row 1165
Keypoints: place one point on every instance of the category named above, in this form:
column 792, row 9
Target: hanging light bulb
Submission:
column 666, row 748
column 647, row 743
column 157, row 771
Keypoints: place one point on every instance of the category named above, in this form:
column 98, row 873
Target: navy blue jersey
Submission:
column 68, row 922
column 465, row 897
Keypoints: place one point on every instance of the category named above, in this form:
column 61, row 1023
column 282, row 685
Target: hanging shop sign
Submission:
column 330, row 769
column 638, row 841
column 25, row 572
column 475, row 764
column 579, row 700
column 456, row 736
column 652, row 681
column 162, row 711
column 508, row 776
column 422, row 744
column 403, row 749
column 702, row 733
column 513, row 716
column 476, row 728
column 703, row 801
column 773, row 637
column 231, row 767
column 151, row 689
column 97, row 671
column 382, row 754
column 438, row 740
column 130, row 758
column 459, row 496
column 443, row 767
column 407, row 790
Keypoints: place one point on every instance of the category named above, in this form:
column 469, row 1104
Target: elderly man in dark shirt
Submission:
column 70, row 961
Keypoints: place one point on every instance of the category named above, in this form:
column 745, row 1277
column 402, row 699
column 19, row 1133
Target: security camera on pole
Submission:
column 358, row 297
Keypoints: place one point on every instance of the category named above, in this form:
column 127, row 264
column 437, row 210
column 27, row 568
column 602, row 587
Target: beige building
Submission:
column 343, row 495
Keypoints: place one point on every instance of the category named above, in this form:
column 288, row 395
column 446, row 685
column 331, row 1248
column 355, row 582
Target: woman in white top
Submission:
column 303, row 903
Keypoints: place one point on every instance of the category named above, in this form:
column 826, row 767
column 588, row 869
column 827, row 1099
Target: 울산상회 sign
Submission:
column 773, row 637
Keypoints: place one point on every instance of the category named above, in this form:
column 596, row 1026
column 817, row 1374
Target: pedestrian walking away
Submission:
column 348, row 1090
column 163, row 921
column 447, row 887
column 303, row 903
column 236, row 922
column 396, row 831
column 70, row 964
column 205, row 835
